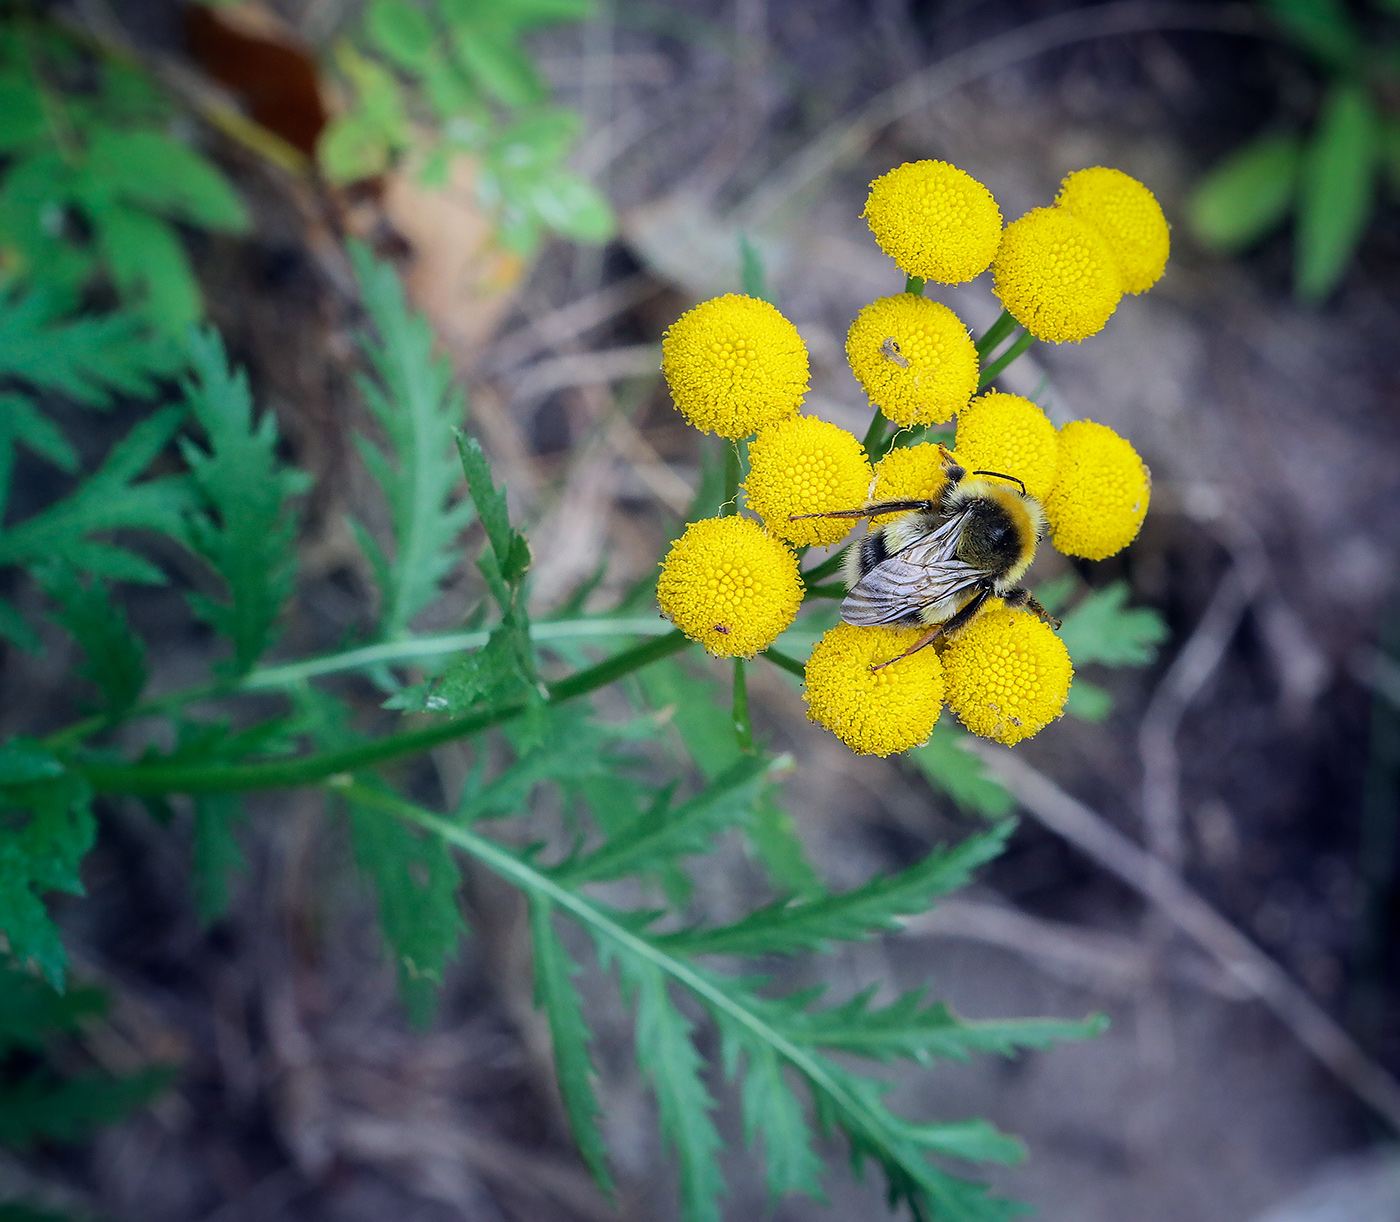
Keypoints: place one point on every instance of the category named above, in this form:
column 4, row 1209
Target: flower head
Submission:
column 734, row 364
column 934, row 220
column 1006, row 433
column 1127, row 217
column 1056, row 276
column 914, row 357
column 874, row 712
column 910, row 473
column 1007, row 674
column 804, row 465
column 730, row 586
column 1101, row 492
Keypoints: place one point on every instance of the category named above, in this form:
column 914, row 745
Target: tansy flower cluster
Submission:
column 738, row 368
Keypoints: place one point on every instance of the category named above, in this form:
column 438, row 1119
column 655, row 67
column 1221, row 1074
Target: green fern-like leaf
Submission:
column 1102, row 628
column 107, row 500
column 415, row 403
column 217, row 853
column 959, row 773
column 33, row 1011
column 416, row 881
column 244, row 528
column 43, row 1107
column 116, row 656
column 875, row 907
column 46, row 829
column 555, row 994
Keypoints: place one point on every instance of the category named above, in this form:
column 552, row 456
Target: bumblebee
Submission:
column 940, row 560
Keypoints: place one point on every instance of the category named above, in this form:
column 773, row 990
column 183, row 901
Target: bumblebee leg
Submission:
column 1019, row 596
column 870, row 511
column 952, row 624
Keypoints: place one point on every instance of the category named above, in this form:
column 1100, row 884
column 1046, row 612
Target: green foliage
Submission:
column 1335, row 191
column 116, row 657
column 93, row 180
column 453, row 81
column 960, row 774
column 217, row 853
column 1101, row 628
column 31, row 1012
column 1326, row 177
column 44, row 1107
column 243, row 528
column 414, row 401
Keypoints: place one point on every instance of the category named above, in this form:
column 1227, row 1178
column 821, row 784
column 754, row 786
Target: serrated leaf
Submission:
column 1101, row 628
column 772, row 1112
column 32, row 1011
column 908, row 1028
column 42, row 1107
column 977, row 1140
column 960, row 774
column 90, row 358
column 875, row 907
column 498, row 66
column 108, row 500
column 217, row 853
column 244, row 528
column 416, row 881
column 148, row 262
column 21, row 423
column 414, row 401
column 666, row 1054
column 773, row 835
column 664, row 834
column 1088, row 701
column 116, row 657
column 1247, row 195
column 17, row 630
column 401, row 31
column 146, row 167
column 1323, row 27
column 1336, row 191
column 38, row 854
column 691, row 700
column 555, row 994
column 23, row 762
column 572, row 207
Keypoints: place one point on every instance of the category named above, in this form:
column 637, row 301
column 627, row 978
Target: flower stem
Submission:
column 833, row 589
column 997, row 332
column 874, row 443
column 285, row 774
column 825, row 569
column 915, row 285
column 731, row 481
column 783, row 662
column 743, row 728
column 992, row 371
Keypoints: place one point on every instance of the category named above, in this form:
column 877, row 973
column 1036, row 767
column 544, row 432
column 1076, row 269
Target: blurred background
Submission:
column 1250, row 970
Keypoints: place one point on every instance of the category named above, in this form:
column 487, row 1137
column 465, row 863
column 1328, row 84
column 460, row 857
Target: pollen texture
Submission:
column 934, row 220
column 1007, row 674
column 734, row 364
column 874, row 712
column 914, row 357
column 1056, row 276
column 730, row 586
column 1006, row 433
column 1101, row 492
column 910, row 473
column 1127, row 217
column 804, row 465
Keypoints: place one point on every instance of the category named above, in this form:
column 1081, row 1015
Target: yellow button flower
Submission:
column 1006, row 433
column 730, row 586
column 914, row 357
column 1007, row 674
column 804, row 465
column 910, row 473
column 1056, row 275
column 1101, row 492
column 934, row 220
column 874, row 712
column 734, row 364
column 1127, row 216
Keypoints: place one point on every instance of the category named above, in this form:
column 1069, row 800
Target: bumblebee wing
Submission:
column 923, row 572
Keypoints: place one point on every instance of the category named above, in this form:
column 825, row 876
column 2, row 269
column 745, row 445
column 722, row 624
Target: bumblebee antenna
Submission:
column 1003, row 475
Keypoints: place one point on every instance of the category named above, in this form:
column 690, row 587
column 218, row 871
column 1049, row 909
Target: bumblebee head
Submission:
column 1003, row 526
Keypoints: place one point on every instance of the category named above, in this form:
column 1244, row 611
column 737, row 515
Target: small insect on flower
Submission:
column 940, row 561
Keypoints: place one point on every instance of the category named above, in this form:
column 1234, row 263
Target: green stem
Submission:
column 997, row 332
column 731, row 481
column 994, row 369
column 833, row 589
column 781, row 660
column 915, row 285
column 290, row 674
column 825, row 569
column 743, row 729
column 285, row 774
column 874, row 442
